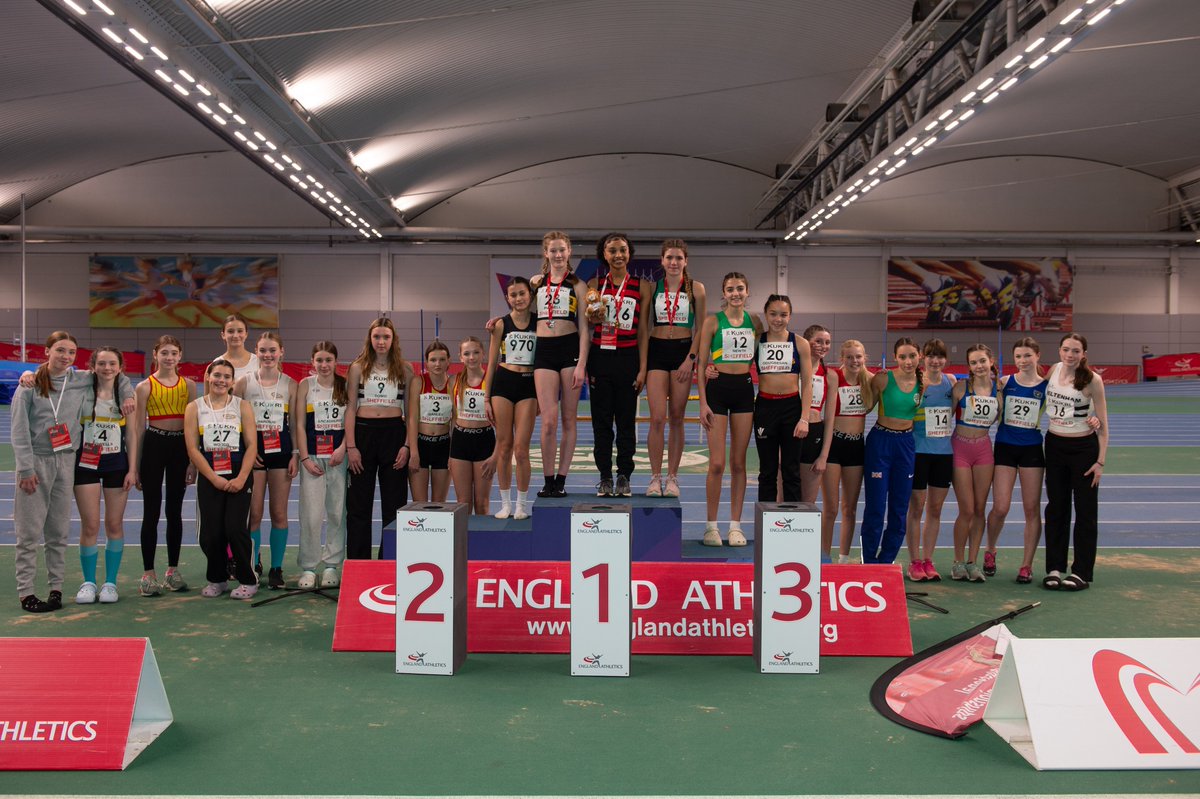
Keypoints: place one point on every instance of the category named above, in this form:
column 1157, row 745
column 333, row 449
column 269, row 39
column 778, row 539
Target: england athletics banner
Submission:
column 678, row 608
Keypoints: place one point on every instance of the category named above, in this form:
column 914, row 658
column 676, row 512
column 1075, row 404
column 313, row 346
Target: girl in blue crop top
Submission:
column 933, row 465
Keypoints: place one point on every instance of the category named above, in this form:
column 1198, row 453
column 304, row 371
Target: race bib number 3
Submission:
column 1022, row 412
column 737, row 345
column 435, row 408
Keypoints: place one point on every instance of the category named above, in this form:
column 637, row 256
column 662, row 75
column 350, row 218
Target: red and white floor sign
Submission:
column 1118, row 703
column 53, row 717
column 678, row 608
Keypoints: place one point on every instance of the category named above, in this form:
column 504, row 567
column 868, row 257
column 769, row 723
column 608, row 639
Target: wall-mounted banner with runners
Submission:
column 678, row 608
column 182, row 290
column 1032, row 294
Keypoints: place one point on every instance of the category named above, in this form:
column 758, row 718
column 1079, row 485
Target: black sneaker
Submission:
column 622, row 489
column 605, row 487
column 549, row 489
column 560, row 485
column 31, row 604
column 275, row 579
column 54, row 601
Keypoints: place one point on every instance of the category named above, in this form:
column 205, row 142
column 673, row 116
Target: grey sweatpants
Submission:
column 44, row 515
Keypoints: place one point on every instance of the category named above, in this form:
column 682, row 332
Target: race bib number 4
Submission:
column 737, row 345
column 106, row 436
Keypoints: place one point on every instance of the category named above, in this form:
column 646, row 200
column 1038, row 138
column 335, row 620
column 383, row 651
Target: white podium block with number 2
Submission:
column 431, row 588
column 600, row 597
column 787, row 573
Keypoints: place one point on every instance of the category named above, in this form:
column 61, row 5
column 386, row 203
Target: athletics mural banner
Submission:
column 1029, row 294
column 678, row 608
column 183, row 290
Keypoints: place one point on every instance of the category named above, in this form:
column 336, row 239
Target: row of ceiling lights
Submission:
column 957, row 112
column 155, row 61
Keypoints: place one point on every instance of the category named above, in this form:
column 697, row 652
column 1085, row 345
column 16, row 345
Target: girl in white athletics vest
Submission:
column 221, row 443
column 430, row 404
column 106, row 464
column 320, row 422
column 272, row 395
column 472, row 441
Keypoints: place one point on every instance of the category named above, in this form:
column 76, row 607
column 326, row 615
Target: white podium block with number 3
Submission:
column 787, row 574
column 431, row 588
column 600, row 597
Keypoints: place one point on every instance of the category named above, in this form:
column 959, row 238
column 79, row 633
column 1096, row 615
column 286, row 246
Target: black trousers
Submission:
column 378, row 442
column 164, row 457
column 774, row 422
column 614, row 399
column 1066, row 484
column 223, row 520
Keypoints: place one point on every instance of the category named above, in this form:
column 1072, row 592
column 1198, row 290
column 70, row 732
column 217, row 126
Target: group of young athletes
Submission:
column 250, row 430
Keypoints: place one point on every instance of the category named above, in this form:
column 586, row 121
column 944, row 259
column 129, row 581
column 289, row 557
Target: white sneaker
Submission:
column 521, row 512
column 308, row 579
column 108, row 594
column 842, row 559
column 86, row 594
column 504, row 512
column 329, row 578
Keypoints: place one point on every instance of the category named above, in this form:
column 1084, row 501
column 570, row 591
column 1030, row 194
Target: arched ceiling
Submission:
column 431, row 98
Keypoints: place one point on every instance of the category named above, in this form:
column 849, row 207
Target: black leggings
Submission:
column 774, row 423
column 223, row 518
column 614, row 400
column 378, row 442
column 164, row 454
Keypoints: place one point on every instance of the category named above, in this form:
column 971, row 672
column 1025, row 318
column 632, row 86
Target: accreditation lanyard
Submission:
column 552, row 299
column 672, row 309
column 60, row 436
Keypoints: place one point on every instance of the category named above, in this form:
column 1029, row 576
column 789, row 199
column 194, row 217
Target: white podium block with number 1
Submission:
column 431, row 588
column 787, row 574
column 601, row 537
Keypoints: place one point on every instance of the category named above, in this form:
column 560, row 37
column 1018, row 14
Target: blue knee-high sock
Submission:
column 255, row 544
column 87, row 559
column 112, row 559
column 279, row 536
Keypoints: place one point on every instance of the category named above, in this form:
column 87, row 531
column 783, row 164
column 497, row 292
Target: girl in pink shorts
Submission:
column 976, row 409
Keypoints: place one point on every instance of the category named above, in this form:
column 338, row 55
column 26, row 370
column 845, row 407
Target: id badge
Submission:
column 222, row 461
column 89, row 456
column 60, row 437
column 324, row 446
column 608, row 337
column 271, row 443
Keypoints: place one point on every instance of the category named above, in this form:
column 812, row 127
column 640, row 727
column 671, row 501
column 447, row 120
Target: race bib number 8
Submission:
column 472, row 407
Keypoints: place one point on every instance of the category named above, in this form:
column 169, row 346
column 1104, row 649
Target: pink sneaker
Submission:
column 916, row 571
column 931, row 574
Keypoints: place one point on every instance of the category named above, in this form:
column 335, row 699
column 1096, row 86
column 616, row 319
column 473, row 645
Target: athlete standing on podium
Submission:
column 512, row 395
column 560, row 357
column 784, row 396
column 617, row 363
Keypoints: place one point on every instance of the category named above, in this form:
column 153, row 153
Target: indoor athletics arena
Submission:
column 599, row 398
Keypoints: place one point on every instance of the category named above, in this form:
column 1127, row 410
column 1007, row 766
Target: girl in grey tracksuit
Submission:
column 46, row 432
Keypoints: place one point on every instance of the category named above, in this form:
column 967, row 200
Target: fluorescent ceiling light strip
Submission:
column 159, row 53
column 1061, row 44
column 78, row 9
column 1040, row 60
column 103, row 8
column 1036, row 44
column 110, row 33
column 1101, row 15
column 138, row 35
column 134, row 53
column 1069, row 18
